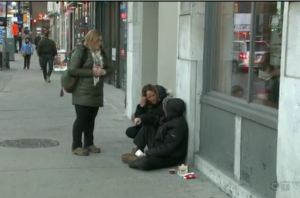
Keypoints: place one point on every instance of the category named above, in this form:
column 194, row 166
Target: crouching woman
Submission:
column 168, row 145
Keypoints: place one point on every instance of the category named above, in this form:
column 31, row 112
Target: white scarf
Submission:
column 98, row 60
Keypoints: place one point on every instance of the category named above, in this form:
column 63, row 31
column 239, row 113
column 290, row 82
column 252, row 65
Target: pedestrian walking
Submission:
column 46, row 52
column 88, row 65
column 27, row 50
column 37, row 40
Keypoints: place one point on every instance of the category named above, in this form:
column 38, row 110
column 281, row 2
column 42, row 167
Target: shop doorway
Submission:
column 112, row 24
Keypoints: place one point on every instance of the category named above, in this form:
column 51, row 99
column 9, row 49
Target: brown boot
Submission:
column 81, row 151
column 127, row 158
column 93, row 149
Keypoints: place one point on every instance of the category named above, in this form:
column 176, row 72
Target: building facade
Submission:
column 225, row 60
column 71, row 21
column 39, row 23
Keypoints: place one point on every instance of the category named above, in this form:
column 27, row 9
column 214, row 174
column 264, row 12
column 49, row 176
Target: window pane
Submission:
column 267, row 57
column 230, row 70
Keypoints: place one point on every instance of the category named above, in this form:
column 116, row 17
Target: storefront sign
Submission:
column 2, row 9
column 42, row 17
column 113, row 54
column 123, row 53
column 1, row 35
column 24, row 18
column 60, row 61
column 242, row 28
column 3, row 18
column 123, row 11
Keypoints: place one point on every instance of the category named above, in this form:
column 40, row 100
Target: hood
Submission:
column 162, row 92
column 174, row 107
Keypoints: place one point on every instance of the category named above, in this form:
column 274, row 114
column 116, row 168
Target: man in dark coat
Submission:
column 46, row 51
column 168, row 145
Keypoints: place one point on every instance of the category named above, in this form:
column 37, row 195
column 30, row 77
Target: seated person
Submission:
column 167, row 146
column 152, row 97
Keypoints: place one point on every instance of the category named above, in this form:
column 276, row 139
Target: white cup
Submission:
column 138, row 153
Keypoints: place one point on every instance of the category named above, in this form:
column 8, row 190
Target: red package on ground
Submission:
column 189, row 176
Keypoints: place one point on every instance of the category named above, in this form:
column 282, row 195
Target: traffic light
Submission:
column 34, row 21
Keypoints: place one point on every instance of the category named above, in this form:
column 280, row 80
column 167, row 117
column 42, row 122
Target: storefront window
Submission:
column 248, row 51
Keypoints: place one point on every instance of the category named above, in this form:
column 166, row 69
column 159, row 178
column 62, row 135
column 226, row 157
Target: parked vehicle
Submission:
column 241, row 54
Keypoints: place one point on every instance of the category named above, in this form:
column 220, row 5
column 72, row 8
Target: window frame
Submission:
column 246, row 108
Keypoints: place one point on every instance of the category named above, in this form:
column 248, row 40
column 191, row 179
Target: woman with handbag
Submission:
column 89, row 65
column 27, row 50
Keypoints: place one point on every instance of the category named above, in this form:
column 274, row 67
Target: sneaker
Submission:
column 127, row 158
column 48, row 79
column 81, row 151
column 93, row 149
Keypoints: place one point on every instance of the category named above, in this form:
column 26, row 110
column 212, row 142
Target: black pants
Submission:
column 154, row 163
column 27, row 58
column 145, row 137
column 131, row 132
column 84, row 123
column 46, row 59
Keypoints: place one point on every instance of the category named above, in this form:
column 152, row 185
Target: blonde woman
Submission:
column 89, row 64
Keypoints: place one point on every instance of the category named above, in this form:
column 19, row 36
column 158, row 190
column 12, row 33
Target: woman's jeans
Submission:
column 84, row 123
column 131, row 132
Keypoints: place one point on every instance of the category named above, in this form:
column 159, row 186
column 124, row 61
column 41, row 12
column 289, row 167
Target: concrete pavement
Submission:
column 31, row 108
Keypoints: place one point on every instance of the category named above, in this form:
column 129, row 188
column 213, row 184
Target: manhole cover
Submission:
column 29, row 143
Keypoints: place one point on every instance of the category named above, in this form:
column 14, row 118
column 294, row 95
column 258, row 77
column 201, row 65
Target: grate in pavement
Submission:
column 29, row 143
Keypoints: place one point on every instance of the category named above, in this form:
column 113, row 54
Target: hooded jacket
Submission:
column 171, row 139
column 27, row 48
column 155, row 109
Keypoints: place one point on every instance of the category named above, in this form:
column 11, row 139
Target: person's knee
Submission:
column 130, row 132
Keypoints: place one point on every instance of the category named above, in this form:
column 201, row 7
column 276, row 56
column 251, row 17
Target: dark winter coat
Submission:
column 37, row 40
column 86, row 94
column 155, row 109
column 171, row 139
column 46, row 47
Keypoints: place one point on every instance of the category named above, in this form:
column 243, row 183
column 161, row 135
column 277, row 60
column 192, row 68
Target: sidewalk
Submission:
column 31, row 108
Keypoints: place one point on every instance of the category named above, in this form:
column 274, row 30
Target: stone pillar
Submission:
column 189, row 67
column 288, row 147
column 142, row 41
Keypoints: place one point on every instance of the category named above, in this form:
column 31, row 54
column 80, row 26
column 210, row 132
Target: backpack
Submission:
column 68, row 82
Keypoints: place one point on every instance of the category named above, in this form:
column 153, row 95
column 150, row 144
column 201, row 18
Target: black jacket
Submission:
column 155, row 109
column 171, row 139
column 37, row 40
column 47, row 47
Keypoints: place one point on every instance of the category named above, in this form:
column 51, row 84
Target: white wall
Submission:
column 167, row 44
column 142, row 45
column 288, row 148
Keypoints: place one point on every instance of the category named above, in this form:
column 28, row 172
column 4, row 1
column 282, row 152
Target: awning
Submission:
column 52, row 14
column 75, row 3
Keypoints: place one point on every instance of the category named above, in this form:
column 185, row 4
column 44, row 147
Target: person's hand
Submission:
column 96, row 72
column 137, row 121
column 102, row 71
column 143, row 101
column 143, row 155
